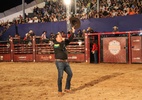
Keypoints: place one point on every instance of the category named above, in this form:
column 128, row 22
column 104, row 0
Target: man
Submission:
column 115, row 29
column 62, row 62
column 51, row 36
column 95, row 51
column 31, row 32
column 43, row 37
column 90, row 30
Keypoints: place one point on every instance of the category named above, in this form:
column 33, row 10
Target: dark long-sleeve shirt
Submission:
column 60, row 48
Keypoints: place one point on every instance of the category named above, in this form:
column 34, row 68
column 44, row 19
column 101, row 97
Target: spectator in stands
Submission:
column 44, row 37
column 109, row 8
column 63, row 34
column 51, row 36
column 17, row 36
column 16, row 39
column 79, row 34
column 83, row 33
column 90, row 30
column 27, row 39
column 30, row 20
column 131, row 11
column 68, row 34
column 31, row 32
column 35, row 20
column 9, row 38
column 55, row 11
column 115, row 29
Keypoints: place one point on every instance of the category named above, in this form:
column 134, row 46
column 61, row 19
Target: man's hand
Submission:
column 73, row 30
column 93, row 52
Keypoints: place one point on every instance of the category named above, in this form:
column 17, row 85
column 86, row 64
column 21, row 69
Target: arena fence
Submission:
column 5, row 51
column 114, row 47
column 35, row 50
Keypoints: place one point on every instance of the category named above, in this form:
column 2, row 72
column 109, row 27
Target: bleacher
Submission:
column 16, row 11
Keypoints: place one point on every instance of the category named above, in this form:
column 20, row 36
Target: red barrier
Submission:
column 44, row 52
column 23, row 52
column 76, row 51
column 5, row 51
column 136, row 48
column 129, row 50
column 40, row 52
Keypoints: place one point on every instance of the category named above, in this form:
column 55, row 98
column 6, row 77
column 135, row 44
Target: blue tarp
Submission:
column 124, row 23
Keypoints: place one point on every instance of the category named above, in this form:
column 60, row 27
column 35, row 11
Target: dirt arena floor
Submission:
column 38, row 81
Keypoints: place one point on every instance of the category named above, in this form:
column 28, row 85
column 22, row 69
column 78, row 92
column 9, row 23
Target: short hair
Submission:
column 115, row 27
column 44, row 31
column 56, row 34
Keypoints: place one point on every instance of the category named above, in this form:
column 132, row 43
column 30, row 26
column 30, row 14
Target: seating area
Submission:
column 40, row 11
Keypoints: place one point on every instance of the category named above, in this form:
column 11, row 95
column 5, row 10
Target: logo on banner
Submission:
column 72, row 57
column 22, row 58
column 45, row 57
column 114, row 47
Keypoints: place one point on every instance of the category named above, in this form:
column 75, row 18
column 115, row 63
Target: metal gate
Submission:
column 5, row 51
column 136, row 49
column 114, row 49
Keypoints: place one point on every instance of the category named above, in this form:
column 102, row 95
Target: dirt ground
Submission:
column 38, row 81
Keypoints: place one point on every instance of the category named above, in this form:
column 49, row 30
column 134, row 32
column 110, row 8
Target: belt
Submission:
column 62, row 60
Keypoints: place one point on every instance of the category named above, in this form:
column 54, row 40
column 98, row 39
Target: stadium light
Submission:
column 23, row 8
column 67, row 2
column 75, row 6
column 98, row 5
column 68, row 11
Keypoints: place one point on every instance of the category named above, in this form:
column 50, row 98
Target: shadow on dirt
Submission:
column 101, row 79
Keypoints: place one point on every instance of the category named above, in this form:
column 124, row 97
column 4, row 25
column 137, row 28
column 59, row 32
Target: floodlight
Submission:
column 67, row 2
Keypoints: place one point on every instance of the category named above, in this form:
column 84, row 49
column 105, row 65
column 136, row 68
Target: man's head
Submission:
column 58, row 37
column 44, row 32
column 115, row 27
column 30, row 31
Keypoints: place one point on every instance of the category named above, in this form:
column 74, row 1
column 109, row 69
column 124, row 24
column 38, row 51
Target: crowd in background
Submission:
column 43, row 37
column 56, row 11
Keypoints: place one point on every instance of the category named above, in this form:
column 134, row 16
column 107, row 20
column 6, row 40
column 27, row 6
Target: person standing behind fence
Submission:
column 62, row 62
column 27, row 39
column 43, row 37
column 95, row 51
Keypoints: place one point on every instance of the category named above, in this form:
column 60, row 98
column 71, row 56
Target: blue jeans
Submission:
column 61, row 67
column 96, row 57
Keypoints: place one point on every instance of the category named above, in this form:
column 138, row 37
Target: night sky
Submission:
column 7, row 4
